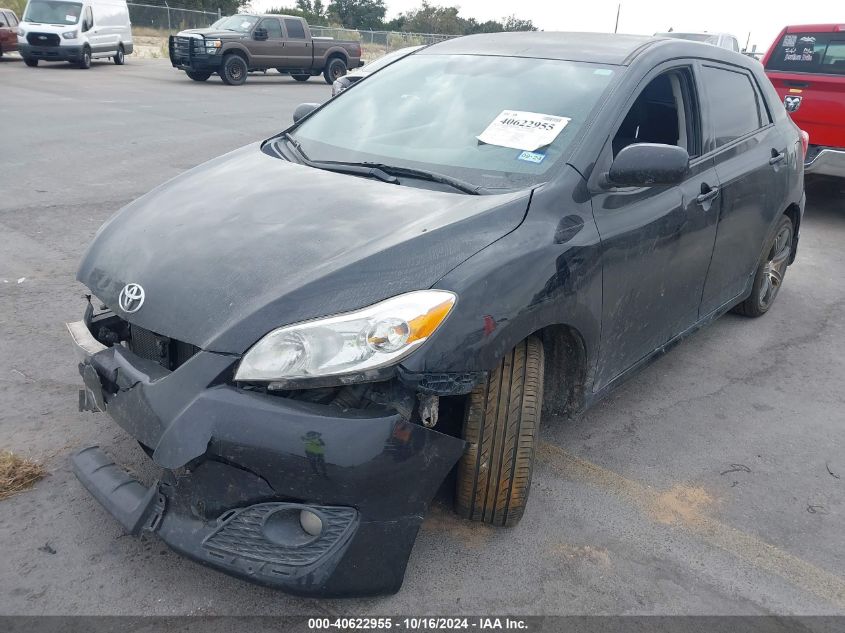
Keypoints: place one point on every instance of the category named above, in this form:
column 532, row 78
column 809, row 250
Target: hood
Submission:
column 216, row 34
column 247, row 243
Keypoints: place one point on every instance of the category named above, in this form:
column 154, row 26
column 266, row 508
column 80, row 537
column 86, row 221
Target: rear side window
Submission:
column 734, row 107
column 13, row 21
column 809, row 53
column 3, row 19
column 295, row 29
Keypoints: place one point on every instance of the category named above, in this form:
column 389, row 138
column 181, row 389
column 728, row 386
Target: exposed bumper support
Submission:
column 827, row 162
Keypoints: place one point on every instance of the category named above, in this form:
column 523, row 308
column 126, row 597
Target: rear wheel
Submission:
column 32, row 63
column 335, row 69
column 301, row 77
column 120, row 56
column 770, row 273
column 234, row 70
column 85, row 62
column 500, row 427
column 198, row 75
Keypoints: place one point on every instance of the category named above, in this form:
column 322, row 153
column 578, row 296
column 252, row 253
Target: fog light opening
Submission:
column 310, row 522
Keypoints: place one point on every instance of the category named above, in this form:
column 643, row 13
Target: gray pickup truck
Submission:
column 237, row 44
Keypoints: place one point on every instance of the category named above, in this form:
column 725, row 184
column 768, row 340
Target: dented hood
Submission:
column 247, row 243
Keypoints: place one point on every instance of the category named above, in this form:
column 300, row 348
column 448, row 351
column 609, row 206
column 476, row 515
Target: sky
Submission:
column 763, row 19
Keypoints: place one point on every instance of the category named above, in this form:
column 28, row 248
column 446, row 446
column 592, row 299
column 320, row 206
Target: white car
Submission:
column 75, row 31
column 722, row 40
column 342, row 83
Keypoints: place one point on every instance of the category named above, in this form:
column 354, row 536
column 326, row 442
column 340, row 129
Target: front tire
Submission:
column 120, row 56
column 234, row 70
column 85, row 62
column 335, row 69
column 770, row 272
column 301, row 77
column 500, row 427
column 29, row 61
column 198, row 75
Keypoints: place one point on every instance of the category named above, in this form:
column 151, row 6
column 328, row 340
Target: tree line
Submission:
column 370, row 15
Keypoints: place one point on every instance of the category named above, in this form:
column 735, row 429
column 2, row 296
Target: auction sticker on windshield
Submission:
column 528, row 131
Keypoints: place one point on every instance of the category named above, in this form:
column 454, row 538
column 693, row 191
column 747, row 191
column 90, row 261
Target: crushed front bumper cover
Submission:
column 239, row 468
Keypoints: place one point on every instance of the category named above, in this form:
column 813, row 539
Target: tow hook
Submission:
column 429, row 405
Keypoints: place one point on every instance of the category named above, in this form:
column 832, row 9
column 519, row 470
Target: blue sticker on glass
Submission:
column 531, row 157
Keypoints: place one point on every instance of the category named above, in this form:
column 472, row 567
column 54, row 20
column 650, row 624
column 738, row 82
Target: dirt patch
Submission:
column 681, row 504
column 17, row 474
column 471, row 535
column 586, row 553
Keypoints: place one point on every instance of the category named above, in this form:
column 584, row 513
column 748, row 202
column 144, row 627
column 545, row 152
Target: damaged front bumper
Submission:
column 305, row 497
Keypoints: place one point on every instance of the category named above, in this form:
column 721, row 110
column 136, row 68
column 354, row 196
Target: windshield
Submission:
column 53, row 12
column 390, row 58
column 239, row 23
column 428, row 111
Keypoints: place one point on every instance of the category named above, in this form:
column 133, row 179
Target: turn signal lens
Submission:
column 805, row 142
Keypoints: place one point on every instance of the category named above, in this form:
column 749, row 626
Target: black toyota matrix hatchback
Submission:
column 308, row 334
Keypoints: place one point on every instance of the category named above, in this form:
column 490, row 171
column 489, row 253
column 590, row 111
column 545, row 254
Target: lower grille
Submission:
column 43, row 39
column 187, row 47
column 167, row 352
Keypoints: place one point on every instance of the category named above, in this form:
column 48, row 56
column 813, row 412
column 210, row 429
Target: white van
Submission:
column 77, row 32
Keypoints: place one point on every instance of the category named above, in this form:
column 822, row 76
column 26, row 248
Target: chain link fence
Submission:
column 381, row 41
column 160, row 16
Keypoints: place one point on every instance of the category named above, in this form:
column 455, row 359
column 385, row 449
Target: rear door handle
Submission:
column 776, row 157
column 708, row 195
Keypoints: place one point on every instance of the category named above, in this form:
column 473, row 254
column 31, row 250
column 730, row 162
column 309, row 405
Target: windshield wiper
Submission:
column 386, row 173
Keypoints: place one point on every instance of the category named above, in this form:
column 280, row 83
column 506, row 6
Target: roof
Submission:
column 601, row 48
column 816, row 28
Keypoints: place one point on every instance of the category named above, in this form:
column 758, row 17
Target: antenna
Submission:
column 618, row 10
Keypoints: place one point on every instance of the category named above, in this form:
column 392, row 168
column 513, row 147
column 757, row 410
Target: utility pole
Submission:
column 618, row 10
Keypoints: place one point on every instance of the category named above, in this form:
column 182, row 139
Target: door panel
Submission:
column 268, row 53
column 298, row 53
column 750, row 169
column 657, row 244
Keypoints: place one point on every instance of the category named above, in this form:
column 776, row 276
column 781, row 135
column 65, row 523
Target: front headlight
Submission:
column 373, row 337
column 211, row 46
column 69, row 35
column 21, row 33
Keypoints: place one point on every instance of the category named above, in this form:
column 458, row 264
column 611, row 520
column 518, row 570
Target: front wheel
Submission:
column 301, row 77
column 32, row 63
column 770, row 272
column 120, row 56
column 198, row 75
column 335, row 69
column 500, row 427
column 234, row 70
column 85, row 62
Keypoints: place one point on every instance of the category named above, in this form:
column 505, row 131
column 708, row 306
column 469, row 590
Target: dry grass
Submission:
column 17, row 474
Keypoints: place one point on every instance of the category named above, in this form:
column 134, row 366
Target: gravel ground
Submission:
column 711, row 483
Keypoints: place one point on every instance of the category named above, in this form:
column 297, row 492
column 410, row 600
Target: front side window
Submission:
column 809, row 53
column 662, row 113
column 53, row 12
column 273, row 28
column 88, row 19
column 428, row 112
column 13, row 21
column 295, row 29
column 734, row 107
column 3, row 19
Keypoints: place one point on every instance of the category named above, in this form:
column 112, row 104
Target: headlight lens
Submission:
column 69, row 35
column 373, row 337
column 211, row 46
column 21, row 33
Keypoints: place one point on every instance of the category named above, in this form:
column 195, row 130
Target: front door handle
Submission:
column 776, row 157
column 707, row 193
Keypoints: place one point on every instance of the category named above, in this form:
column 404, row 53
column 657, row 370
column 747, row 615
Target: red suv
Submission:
column 806, row 64
column 8, row 31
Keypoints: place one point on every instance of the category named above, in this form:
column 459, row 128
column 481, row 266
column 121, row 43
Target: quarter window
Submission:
column 273, row 28
column 295, row 29
column 734, row 107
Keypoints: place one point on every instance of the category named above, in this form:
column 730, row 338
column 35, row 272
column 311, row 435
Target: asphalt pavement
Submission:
column 711, row 483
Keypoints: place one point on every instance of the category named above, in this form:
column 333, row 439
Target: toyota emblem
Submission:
column 131, row 298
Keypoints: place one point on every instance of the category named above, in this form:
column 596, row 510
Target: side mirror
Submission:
column 259, row 34
column 647, row 164
column 303, row 110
